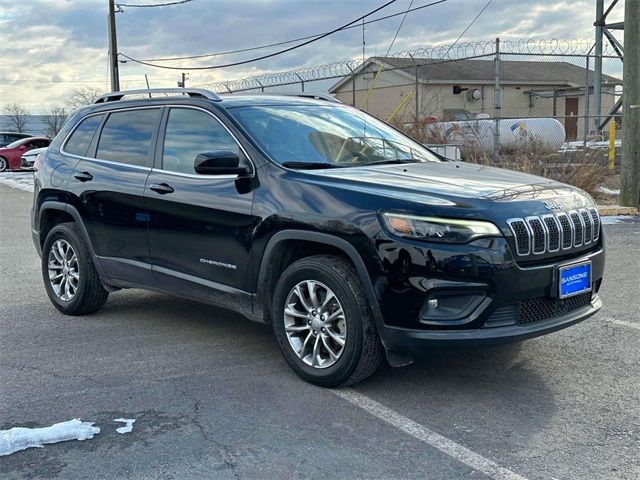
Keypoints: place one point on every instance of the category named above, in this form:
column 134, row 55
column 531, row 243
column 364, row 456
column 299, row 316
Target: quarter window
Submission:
column 126, row 137
column 78, row 143
column 190, row 132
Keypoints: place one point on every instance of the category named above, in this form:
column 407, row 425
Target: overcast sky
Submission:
column 50, row 47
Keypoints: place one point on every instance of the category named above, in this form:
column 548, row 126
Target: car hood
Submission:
column 35, row 151
column 452, row 179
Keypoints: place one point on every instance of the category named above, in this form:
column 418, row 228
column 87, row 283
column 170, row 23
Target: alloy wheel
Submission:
column 3, row 164
column 315, row 324
column 64, row 271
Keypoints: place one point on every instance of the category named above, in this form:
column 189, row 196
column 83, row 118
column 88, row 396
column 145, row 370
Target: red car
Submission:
column 10, row 155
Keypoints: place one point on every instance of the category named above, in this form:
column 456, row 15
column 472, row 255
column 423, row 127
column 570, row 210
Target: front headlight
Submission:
column 435, row 229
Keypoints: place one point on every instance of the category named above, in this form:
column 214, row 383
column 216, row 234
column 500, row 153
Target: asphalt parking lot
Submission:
column 213, row 398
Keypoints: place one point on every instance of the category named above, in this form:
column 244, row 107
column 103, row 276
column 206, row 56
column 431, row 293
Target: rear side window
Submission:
column 190, row 132
column 126, row 137
column 78, row 143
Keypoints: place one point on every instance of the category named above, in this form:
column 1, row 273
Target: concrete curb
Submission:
column 614, row 210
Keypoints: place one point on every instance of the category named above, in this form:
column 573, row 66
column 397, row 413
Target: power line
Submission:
column 280, row 52
column 469, row 26
column 399, row 28
column 285, row 42
column 136, row 5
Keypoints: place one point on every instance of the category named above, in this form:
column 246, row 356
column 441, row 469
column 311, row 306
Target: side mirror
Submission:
column 221, row 162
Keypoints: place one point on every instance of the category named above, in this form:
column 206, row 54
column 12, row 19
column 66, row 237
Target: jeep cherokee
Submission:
column 352, row 240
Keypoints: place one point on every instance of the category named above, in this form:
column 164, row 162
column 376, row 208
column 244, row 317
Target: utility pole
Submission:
column 497, row 103
column 630, row 164
column 183, row 83
column 113, row 49
column 597, row 83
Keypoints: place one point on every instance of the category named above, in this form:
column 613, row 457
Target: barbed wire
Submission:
column 552, row 47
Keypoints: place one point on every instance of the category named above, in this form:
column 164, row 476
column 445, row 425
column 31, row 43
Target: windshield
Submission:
column 17, row 143
column 334, row 135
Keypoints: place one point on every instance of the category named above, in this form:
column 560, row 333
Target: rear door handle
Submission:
column 83, row 176
column 161, row 188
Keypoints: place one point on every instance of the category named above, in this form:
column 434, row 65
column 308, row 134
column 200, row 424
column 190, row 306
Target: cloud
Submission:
column 50, row 47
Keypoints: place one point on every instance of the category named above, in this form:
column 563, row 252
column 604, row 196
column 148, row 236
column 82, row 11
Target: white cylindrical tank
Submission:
column 543, row 134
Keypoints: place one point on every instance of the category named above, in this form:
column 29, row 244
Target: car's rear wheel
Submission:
column 4, row 164
column 69, row 275
column 323, row 322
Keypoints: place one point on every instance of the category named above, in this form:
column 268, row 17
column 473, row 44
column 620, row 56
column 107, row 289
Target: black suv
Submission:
column 348, row 237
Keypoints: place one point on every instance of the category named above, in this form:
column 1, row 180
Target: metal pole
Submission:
column 353, row 86
column 586, row 98
column 597, row 78
column 113, row 49
column 496, row 104
column 630, row 163
column 417, row 94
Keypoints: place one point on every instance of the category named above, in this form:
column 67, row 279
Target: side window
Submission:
column 126, row 136
column 190, row 132
column 78, row 143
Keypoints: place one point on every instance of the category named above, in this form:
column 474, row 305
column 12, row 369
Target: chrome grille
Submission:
column 555, row 231
column 578, row 228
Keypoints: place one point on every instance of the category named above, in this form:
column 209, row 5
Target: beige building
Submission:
column 448, row 88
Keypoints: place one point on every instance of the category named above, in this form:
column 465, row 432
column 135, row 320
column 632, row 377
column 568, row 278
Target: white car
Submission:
column 27, row 160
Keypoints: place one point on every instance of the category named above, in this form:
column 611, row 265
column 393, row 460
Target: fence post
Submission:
column 496, row 104
column 417, row 94
column 353, row 86
column 301, row 80
column 586, row 99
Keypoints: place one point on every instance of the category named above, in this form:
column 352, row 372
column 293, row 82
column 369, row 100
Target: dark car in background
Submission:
column 346, row 236
column 10, row 156
column 9, row 137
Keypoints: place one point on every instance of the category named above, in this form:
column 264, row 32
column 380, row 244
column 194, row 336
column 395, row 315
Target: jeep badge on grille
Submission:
column 553, row 205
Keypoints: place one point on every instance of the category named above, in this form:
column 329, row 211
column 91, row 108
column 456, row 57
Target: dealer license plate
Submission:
column 574, row 279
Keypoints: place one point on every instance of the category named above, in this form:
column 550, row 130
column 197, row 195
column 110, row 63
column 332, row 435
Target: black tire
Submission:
column 362, row 352
column 90, row 295
column 4, row 164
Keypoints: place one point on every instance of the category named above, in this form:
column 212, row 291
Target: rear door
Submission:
column 107, row 187
column 199, row 225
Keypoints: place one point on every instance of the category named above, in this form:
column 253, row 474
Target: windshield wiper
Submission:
column 309, row 165
column 388, row 162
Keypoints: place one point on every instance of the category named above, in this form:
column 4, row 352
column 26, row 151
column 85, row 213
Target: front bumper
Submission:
column 515, row 302
column 26, row 163
column 421, row 341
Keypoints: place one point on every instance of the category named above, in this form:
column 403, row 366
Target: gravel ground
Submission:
column 213, row 398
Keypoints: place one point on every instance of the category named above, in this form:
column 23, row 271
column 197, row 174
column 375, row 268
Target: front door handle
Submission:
column 83, row 176
column 161, row 188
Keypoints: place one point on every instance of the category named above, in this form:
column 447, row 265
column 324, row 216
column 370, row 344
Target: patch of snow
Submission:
column 128, row 427
column 19, row 180
column 609, row 191
column 614, row 219
column 590, row 145
column 19, row 438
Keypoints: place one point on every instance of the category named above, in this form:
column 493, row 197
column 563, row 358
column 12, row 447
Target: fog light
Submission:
column 441, row 307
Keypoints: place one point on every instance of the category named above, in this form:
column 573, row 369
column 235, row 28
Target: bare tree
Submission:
column 83, row 96
column 55, row 120
column 17, row 117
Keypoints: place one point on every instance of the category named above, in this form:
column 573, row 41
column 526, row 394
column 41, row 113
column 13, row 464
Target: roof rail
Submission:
column 192, row 92
column 318, row 96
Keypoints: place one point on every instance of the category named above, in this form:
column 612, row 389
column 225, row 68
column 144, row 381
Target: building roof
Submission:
column 528, row 72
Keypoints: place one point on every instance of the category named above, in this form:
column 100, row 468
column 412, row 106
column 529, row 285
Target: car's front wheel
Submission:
column 323, row 322
column 4, row 164
column 69, row 276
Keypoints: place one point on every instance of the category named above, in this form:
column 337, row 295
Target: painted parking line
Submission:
column 445, row 445
column 623, row 323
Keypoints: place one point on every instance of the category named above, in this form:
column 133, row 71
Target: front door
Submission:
column 571, row 118
column 199, row 225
